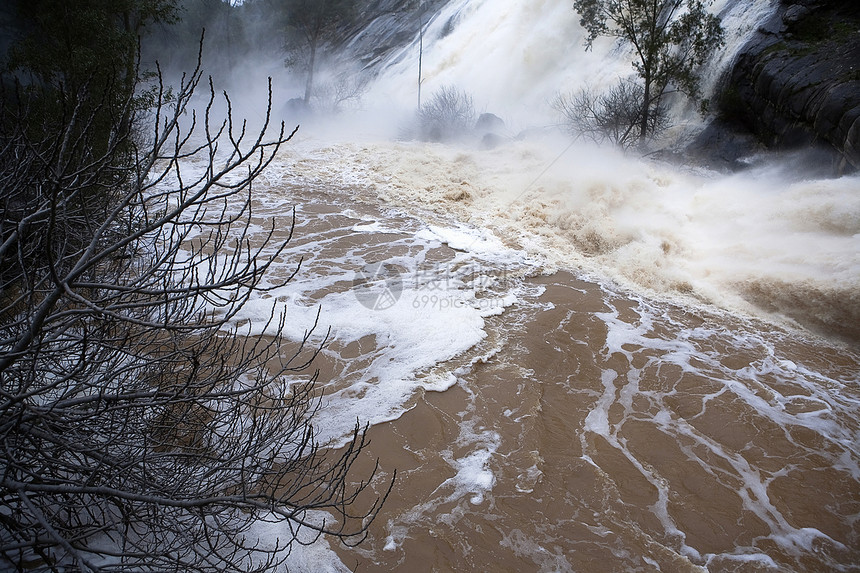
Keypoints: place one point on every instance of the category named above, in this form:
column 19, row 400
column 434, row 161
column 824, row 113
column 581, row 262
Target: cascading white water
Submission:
column 769, row 241
column 515, row 56
column 512, row 56
column 741, row 19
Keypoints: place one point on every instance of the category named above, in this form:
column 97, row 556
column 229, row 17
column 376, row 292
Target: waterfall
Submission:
column 515, row 56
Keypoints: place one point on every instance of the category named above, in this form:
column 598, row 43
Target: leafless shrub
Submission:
column 140, row 429
column 612, row 116
column 449, row 114
column 344, row 90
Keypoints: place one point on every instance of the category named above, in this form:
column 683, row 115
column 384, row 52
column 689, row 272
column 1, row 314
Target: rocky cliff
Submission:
column 797, row 82
column 384, row 27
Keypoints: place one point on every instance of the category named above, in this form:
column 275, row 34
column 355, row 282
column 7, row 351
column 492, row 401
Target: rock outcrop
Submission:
column 384, row 27
column 797, row 82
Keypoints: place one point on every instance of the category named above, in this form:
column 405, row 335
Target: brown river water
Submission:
column 621, row 435
column 551, row 402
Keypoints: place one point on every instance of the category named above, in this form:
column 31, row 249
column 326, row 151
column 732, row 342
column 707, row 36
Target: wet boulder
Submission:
column 489, row 123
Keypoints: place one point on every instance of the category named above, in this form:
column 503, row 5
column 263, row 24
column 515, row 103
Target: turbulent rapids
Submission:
column 574, row 372
column 575, row 360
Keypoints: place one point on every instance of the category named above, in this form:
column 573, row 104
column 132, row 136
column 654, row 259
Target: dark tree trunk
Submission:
column 646, row 108
column 309, row 86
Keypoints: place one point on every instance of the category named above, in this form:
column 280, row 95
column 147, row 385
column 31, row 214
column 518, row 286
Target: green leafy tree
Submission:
column 230, row 32
column 80, row 59
column 670, row 38
column 310, row 23
column 69, row 41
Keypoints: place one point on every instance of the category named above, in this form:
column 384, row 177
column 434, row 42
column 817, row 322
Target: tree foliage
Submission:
column 310, row 23
column 670, row 40
column 66, row 44
column 70, row 55
column 141, row 429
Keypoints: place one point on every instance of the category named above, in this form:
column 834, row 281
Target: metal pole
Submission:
column 420, row 47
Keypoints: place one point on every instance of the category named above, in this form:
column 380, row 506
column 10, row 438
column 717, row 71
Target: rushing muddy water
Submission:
column 574, row 360
column 553, row 408
column 610, row 433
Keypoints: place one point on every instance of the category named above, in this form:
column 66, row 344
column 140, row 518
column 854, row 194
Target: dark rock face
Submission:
column 797, row 83
column 385, row 26
column 722, row 146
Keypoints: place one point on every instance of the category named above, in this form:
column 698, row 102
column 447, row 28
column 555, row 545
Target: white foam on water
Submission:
column 475, row 476
column 767, row 387
column 463, row 238
column 756, row 559
column 683, row 236
column 473, row 482
column 550, row 561
column 308, row 553
column 471, row 456
column 375, row 227
column 761, row 242
column 597, row 420
column 432, row 314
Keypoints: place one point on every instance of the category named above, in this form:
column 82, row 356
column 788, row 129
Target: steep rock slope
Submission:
column 384, row 27
column 797, row 82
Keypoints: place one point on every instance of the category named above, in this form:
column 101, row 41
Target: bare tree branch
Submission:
column 140, row 427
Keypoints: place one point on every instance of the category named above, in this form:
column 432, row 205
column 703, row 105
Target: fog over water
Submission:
column 576, row 359
column 776, row 240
